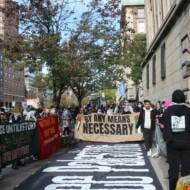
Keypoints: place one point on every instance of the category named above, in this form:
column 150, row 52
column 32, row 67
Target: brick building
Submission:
column 12, row 90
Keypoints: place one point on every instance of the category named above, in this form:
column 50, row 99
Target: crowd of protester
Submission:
column 10, row 116
column 165, row 121
column 172, row 118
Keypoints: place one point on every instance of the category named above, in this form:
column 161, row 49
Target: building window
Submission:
column 163, row 61
column 185, row 44
column 140, row 13
column 154, row 70
column 147, row 76
column 140, row 27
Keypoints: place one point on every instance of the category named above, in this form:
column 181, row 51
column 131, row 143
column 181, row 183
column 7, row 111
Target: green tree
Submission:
column 41, row 82
column 43, row 24
column 97, row 47
column 133, row 54
column 109, row 95
column 88, row 61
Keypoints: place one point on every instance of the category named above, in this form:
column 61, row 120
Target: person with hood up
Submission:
column 176, row 133
column 147, row 121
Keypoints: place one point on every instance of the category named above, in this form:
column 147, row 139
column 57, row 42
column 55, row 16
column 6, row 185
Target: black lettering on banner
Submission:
column 96, row 128
column 120, row 119
column 90, row 126
column 106, row 124
column 118, row 129
column 106, row 131
column 125, row 129
column 112, row 127
column 85, row 128
column 95, row 118
column 110, row 118
column 99, row 118
column 130, row 128
column 124, row 119
column 88, row 118
column 128, row 119
column 101, row 128
column 103, row 118
column 115, row 119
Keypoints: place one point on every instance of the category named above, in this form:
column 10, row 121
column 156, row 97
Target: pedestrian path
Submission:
column 97, row 167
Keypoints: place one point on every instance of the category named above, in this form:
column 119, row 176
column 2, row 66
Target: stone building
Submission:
column 12, row 90
column 133, row 16
column 132, row 22
column 167, row 64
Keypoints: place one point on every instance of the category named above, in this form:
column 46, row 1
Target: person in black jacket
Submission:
column 176, row 132
column 147, row 121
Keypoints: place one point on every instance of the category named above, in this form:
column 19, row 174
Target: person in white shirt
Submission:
column 147, row 121
column 110, row 111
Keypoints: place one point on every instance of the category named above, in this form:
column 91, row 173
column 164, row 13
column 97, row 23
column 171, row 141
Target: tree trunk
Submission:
column 80, row 98
column 41, row 97
column 54, row 93
column 58, row 98
column 79, row 93
column 137, row 93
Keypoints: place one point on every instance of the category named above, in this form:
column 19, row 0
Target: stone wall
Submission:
column 177, row 43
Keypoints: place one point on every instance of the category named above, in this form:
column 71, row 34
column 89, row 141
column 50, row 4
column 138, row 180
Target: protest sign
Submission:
column 17, row 141
column 48, row 135
column 107, row 128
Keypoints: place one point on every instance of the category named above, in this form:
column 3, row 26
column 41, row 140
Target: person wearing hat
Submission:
column 176, row 133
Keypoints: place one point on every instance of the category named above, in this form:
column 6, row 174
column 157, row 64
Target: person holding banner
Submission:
column 147, row 121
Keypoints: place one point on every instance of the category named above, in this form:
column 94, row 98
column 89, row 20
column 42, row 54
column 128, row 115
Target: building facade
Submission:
column 8, row 19
column 132, row 22
column 12, row 90
column 133, row 16
column 12, row 86
column 167, row 64
column 31, row 91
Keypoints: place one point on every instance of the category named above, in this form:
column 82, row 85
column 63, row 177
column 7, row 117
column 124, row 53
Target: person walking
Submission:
column 147, row 120
column 66, row 122
column 176, row 132
column 157, row 134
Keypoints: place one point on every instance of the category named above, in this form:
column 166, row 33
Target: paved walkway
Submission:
column 159, row 164
column 97, row 167
column 12, row 178
column 161, row 168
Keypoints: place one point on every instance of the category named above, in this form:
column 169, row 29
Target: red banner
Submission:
column 48, row 135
